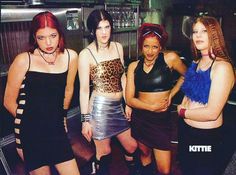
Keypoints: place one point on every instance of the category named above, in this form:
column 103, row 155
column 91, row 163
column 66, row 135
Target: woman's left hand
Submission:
column 179, row 107
column 128, row 112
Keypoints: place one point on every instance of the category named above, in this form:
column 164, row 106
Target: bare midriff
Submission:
column 113, row 95
column 154, row 97
column 202, row 125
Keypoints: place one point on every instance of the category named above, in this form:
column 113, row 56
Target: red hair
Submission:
column 152, row 30
column 216, row 39
column 42, row 20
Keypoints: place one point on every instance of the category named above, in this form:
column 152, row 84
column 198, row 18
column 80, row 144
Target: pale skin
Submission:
column 86, row 60
column 154, row 101
column 222, row 81
column 46, row 38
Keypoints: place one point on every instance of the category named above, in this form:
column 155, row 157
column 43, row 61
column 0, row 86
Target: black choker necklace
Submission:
column 42, row 55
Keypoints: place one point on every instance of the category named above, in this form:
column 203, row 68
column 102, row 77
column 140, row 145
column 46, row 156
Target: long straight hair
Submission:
column 216, row 47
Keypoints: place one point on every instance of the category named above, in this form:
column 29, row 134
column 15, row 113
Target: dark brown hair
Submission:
column 93, row 21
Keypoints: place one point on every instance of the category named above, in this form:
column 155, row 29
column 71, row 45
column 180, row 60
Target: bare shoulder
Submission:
column 21, row 60
column 73, row 55
column 171, row 58
column 84, row 54
column 133, row 65
column 222, row 67
column 171, row 55
column 20, row 63
column 223, row 71
column 119, row 45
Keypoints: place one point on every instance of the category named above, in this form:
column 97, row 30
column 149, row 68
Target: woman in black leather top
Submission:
column 149, row 91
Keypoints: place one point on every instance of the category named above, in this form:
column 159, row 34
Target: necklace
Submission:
column 49, row 62
column 204, row 65
column 150, row 64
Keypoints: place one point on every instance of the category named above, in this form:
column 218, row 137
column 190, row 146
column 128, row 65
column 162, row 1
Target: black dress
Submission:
column 39, row 126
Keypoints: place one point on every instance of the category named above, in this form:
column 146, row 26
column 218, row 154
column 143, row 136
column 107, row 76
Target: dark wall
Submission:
column 224, row 9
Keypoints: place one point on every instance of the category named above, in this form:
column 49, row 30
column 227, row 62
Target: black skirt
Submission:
column 200, row 161
column 152, row 129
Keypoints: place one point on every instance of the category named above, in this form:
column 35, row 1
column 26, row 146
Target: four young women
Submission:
column 40, row 87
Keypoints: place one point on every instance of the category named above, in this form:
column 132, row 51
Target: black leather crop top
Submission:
column 157, row 80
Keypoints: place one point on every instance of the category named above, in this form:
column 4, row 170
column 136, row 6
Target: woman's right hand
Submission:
column 160, row 106
column 87, row 130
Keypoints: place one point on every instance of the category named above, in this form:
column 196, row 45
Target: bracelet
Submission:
column 85, row 117
column 182, row 112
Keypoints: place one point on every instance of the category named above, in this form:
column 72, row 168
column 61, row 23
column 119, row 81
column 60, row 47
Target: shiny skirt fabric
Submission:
column 107, row 117
column 152, row 129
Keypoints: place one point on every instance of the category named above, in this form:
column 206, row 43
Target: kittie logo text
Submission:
column 199, row 148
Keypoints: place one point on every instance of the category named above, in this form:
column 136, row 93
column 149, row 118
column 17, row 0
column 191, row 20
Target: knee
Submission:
column 20, row 153
column 163, row 171
column 103, row 151
column 131, row 147
column 145, row 152
column 107, row 150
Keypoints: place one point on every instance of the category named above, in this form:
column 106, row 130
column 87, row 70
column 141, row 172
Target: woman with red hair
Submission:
column 149, row 92
column 38, row 93
column 207, row 85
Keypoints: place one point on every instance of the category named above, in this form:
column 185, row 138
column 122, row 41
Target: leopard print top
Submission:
column 106, row 76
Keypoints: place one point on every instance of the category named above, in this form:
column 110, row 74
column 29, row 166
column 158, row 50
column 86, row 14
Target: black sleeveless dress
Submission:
column 39, row 126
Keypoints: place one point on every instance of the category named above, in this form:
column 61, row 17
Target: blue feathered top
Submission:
column 197, row 84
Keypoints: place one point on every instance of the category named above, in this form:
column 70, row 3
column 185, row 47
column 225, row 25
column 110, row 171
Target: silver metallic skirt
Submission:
column 107, row 117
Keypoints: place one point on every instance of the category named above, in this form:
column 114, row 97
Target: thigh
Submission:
column 44, row 170
column 127, row 141
column 163, row 159
column 20, row 153
column 68, row 167
column 145, row 150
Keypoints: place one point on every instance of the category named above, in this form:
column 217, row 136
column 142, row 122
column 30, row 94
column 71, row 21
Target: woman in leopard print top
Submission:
column 103, row 115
